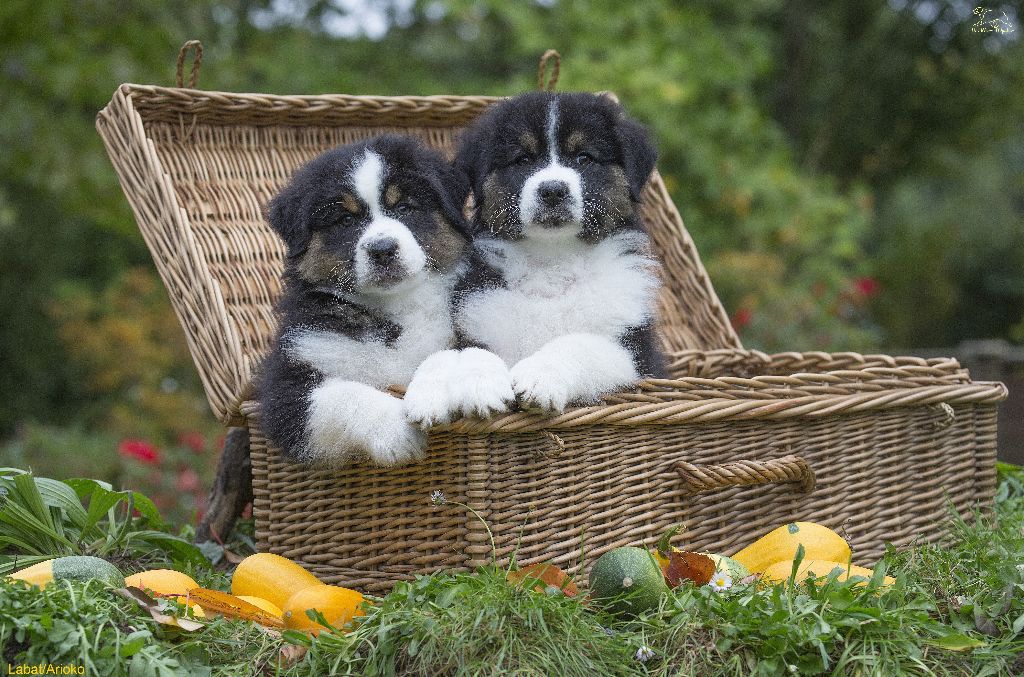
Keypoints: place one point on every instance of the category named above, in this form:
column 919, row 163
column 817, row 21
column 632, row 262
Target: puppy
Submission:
column 375, row 234
column 562, row 285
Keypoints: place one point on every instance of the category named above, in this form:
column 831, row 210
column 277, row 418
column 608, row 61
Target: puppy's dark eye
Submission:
column 584, row 158
column 404, row 208
column 522, row 159
column 348, row 218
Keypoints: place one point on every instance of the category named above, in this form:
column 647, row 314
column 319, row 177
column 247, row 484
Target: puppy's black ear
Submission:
column 471, row 157
column 456, row 191
column 638, row 153
column 287, row 216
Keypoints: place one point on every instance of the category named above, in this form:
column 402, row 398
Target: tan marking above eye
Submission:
column 529, row 142
column 349, row 202
column 574, row 143
column 392, row 195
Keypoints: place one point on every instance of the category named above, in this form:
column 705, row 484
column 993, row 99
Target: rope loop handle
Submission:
column 543, row 66
column 197, row 61
column 788, row 469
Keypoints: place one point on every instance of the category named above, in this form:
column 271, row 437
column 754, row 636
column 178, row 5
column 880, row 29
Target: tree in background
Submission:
column 847, row 170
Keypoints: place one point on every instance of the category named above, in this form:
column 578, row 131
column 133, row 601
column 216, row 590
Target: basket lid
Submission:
column 198, row 167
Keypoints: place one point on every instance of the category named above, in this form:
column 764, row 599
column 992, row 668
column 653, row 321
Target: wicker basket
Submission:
column 738, row 443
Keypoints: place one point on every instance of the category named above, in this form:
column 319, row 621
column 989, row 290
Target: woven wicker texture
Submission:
column 886, row 471
column 735, row 444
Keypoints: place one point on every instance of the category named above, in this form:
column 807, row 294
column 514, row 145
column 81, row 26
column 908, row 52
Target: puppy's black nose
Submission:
column 553, row 192
column 383, row 250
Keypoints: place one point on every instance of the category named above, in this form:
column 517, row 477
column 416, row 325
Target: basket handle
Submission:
column 556, row 64
column 788, row 469
column 196, row 63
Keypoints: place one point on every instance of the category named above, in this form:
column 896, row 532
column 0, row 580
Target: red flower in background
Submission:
column 866, row 286
column 741, row 318
column 187, row 481
column 140, row 450
column 194, row 441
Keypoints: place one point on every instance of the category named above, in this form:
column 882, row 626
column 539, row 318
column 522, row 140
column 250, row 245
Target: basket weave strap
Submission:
column 698, row 478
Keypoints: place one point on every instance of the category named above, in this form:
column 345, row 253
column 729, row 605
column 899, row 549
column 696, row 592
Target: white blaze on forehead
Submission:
column 368, row 181
column 552, row 126
column 529, row 197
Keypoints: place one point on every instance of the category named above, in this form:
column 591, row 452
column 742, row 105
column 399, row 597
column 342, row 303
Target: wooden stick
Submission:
column 232, row 488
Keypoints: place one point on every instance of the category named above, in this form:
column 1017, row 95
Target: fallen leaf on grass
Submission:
column 291, row 654
column 689, row 566
column 548, row 574
column 232, row 607
column 151, row 605
column 186, row 624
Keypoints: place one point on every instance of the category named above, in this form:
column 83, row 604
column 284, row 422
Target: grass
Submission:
column 956, row 609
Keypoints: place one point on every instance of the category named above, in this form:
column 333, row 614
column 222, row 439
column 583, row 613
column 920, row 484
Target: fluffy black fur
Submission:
column 321, row 217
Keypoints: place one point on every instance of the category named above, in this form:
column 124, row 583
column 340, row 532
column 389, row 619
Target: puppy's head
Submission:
column 368, row 217
column 556, row 165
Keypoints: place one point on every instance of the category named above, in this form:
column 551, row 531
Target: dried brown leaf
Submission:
column 688, row 566
column 546, row 575
column 186, row 624
column 291, row 654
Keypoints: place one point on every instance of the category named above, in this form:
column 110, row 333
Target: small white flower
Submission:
column 627, row 582
column 644, row 654
column 720, row 582
column 437, row 497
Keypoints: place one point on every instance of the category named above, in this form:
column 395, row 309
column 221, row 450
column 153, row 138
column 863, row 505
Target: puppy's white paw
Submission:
column 428, row 399
column 484, row 384
column 348, row 419
column 407, row 444
column 540, row 384
column 573, row 368
column 449, row 384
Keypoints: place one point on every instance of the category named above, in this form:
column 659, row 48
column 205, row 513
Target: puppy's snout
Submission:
column 382, row 251
column 553, row 193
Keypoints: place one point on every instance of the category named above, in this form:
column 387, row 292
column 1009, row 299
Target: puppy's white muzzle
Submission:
column 552, row 196
column 387, row 253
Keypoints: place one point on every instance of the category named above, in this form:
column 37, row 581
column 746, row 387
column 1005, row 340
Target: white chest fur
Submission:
column 425, row 318
column 553, row 289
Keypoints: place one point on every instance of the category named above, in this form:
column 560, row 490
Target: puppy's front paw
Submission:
column 451, row 383
column 540, row 385
column 484, row 386
column 428, row 399
column 406, row 444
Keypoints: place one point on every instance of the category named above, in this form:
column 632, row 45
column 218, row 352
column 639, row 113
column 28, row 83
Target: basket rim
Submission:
column 909, row 381
column 156, row 103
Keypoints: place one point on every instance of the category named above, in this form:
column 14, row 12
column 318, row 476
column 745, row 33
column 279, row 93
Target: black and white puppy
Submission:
column 375, row 237
column 562, row 285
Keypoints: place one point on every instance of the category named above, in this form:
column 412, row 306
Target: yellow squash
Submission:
column 338, row 605
column 780, row 571
column 270, row 577
column 820, row 543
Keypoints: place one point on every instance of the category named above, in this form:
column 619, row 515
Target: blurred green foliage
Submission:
column 850, row 171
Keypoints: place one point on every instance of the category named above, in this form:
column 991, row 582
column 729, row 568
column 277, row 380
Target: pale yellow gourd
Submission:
column 820, row 543
column 780, row 571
